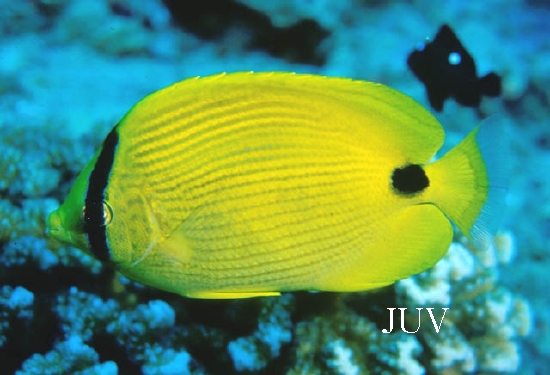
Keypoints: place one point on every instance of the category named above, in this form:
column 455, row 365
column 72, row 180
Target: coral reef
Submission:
column 69, row 70
column 484, row 320
column 16, row 304
column 68, row 357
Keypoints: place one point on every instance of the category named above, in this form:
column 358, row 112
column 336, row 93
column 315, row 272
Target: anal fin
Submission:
column 408, row 242
column 230, row 295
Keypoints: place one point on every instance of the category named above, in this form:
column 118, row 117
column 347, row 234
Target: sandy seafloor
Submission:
column 70, row 69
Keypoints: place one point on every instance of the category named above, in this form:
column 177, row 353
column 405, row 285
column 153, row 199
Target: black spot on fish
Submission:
column 448, row 70
column 409, row 179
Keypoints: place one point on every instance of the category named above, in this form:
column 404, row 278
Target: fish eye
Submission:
column 454, row 58
column 107, row 215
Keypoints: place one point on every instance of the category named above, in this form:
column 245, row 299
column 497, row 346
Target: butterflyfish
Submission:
column 252, row 184
column 446, row 69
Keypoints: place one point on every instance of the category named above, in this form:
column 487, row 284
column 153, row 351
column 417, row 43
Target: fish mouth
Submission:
column 58, row 227
column 54, row 227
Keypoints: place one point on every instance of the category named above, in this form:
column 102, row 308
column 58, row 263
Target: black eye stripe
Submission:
column 94, row 220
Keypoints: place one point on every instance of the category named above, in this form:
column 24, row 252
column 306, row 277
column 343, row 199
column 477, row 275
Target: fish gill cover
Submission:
column 70, row 69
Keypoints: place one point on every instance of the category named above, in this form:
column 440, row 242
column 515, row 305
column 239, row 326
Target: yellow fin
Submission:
column 408, row 242
column 208, row 105
column 469, row 182
column 230, row 295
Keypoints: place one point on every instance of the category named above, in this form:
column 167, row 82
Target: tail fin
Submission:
column 469, row 182
column 490, row 84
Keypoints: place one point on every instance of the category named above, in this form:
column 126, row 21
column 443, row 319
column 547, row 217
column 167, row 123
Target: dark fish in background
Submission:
column 447, row 70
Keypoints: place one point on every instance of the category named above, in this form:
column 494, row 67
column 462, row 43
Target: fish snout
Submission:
column 54, row 226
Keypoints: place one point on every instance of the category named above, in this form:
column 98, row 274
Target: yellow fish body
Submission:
column 250, row 184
